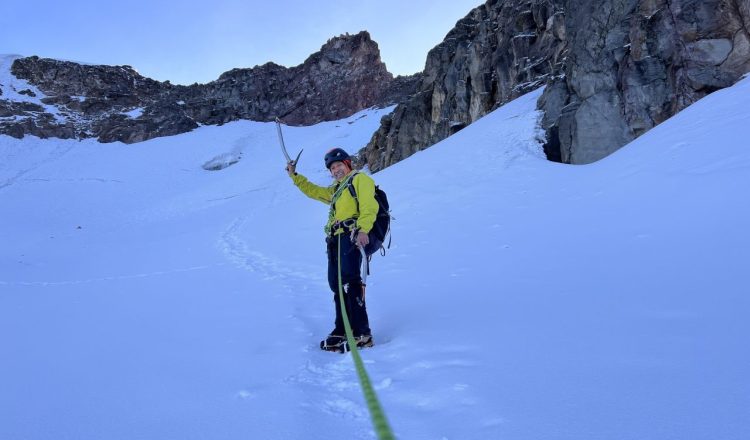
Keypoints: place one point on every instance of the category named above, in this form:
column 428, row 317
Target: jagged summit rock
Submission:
column 116, row 103
column 345, row 76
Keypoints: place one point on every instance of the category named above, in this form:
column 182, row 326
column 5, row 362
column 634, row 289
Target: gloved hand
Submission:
column 362, row 239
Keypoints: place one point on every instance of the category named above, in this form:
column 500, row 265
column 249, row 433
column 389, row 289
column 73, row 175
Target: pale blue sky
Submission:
column 196, row 40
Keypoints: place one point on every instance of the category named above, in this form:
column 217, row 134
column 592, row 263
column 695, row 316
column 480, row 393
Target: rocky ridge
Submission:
column 115, row 103
column 612, row 69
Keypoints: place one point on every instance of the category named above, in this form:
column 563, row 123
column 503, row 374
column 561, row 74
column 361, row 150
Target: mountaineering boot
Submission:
column 333, row 343
column 341, row 345
column 364, row 341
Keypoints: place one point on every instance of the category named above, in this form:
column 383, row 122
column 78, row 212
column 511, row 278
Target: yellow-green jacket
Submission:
column 346, row 206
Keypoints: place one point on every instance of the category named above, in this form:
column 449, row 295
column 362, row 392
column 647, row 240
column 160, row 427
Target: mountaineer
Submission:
column 353, row 212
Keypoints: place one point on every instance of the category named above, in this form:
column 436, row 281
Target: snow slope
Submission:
column 143, row 296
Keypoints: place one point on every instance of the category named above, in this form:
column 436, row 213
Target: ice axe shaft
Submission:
column 283, row 147
column 365, row 267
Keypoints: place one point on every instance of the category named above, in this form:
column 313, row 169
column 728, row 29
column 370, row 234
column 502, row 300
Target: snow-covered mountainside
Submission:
column 144, row 296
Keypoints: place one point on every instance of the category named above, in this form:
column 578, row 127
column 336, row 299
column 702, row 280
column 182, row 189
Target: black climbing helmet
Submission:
column 336, row 155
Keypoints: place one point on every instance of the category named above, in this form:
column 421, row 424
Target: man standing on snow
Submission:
column 349, row 222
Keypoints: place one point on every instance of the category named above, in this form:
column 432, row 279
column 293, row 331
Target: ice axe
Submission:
column 365, row 269
column 283, row 147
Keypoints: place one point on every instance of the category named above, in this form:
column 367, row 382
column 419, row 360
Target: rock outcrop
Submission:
column 498, row 52
column 613, row 69
column 632, row 64
column 115, row 103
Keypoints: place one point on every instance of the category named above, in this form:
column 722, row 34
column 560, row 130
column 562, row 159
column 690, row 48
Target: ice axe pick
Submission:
column 283, row 147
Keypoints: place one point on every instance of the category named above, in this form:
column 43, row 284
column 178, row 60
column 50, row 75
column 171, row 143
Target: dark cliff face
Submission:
column 498, row 52
column 115, row 103
column 632, row 64
column 612, row 69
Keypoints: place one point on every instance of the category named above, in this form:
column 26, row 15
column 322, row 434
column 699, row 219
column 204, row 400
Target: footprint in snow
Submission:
column 345, row 408
column 338, row 375
column 244, row 395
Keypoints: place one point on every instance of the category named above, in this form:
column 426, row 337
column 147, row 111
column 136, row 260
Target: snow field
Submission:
column 521, row 299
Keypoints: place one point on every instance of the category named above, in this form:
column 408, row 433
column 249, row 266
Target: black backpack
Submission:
column 382, row 225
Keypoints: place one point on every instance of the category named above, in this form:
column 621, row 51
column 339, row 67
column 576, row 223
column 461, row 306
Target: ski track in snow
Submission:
column 239, row 253
column 77, row 180
column 109, row 278
column 56, row 154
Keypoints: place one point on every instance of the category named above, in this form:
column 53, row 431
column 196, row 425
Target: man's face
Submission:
column 339, row 170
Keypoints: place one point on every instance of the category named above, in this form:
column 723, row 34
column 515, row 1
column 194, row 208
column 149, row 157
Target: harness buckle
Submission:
column 347, row 225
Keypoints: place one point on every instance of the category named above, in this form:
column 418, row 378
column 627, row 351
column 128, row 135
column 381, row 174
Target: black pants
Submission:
column 351, row 280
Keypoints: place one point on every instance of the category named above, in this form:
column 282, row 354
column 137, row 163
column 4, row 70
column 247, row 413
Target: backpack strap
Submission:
column 352, row 191
column 337, row 193
column 340, row 190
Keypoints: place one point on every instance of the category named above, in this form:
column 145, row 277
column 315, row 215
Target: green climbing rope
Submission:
column 379, row 421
